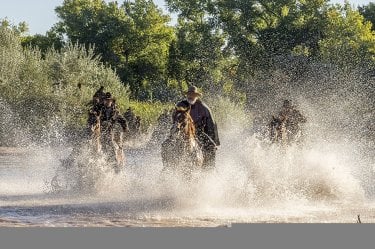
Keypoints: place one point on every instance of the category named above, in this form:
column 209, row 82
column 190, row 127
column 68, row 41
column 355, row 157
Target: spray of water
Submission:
column 329, row 169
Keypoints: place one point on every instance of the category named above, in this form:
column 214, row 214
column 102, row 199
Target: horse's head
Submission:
column 183, row 124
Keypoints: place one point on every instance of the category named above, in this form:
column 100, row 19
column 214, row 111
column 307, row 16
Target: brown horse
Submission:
column 111, row 142
column 79, row 169
column 284, row 131
column 95, row 129
column 181, row 151
column 277, row 130
column 106, row 137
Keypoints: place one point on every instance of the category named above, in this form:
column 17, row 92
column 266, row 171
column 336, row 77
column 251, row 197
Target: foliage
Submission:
column 368, row 12
column 58, row 86
column 52, row 39
column 133, row 38
column 348, row 38
column 149, row 112
column 231, row 49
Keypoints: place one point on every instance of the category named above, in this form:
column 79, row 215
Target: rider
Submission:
column 100, row 93
column 109, row 112
column 96, row 106
column 291, row 117
column 205, row 126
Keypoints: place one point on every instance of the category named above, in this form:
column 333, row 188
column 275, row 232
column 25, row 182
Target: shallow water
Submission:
column 138, row 197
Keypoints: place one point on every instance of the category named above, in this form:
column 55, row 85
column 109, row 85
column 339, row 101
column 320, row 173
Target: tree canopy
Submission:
column 215, row 44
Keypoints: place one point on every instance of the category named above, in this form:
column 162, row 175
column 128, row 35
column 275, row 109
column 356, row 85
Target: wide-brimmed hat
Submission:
column 194, row 90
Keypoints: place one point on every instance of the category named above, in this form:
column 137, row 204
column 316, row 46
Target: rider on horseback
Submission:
column 96, row 107
column 205, row 126
column 109, row 112
column 292, row 119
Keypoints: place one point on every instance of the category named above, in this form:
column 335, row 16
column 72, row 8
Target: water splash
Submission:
column 333, row 168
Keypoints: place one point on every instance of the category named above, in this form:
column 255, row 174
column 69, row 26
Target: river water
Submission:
column 258, row 184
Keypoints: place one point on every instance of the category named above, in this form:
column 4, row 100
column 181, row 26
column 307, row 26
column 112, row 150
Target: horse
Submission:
column 284, row 131
column 181, row 151
column 80, row 169
column 95, row 132
column 111, row 141
column 105, row 137
column 277, row 130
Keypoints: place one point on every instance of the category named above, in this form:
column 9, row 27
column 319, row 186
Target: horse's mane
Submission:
column 191, row 127
column 190, row 134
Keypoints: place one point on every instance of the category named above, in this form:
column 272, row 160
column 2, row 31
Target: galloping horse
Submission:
column 277, row 130
column 111, row 142
column 284, row 131
column 181, row 151
column 81, row 164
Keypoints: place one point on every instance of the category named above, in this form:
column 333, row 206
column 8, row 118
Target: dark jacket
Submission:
column 99, row 94
column 112, row 114
column 204, row 122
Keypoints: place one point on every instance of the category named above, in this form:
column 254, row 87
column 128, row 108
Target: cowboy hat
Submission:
column 193, row 90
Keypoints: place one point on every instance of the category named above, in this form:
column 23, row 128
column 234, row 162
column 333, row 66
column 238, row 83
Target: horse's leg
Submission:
column 120, row 150
column 284, row 134
column 164, row 155
column 117, row 144
column 95, row 138
column 168, row 155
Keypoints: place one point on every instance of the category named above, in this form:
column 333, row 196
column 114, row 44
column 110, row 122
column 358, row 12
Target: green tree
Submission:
column 197, row 54
column 148, row 59
column 348, row 38
column 133, row 38
column 259, row 29
column 19, row 29
column 51, row 40
column 94, row 22
column 368, row 11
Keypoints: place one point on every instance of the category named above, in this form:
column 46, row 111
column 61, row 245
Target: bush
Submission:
column 57, row 87
column 149, row 112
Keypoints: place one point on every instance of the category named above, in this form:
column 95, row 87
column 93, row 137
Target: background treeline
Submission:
column 227, row 48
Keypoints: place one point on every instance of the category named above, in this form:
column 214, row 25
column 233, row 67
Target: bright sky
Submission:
column 40, row 14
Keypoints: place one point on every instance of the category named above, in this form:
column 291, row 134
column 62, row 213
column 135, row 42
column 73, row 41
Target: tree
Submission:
column 96, row 22
column 133, row 37
column 198, row 52
column 348, row 38
column 148, row 54
column 19, row 29
column 368, row 12
column 259, row 30
column 52, row 39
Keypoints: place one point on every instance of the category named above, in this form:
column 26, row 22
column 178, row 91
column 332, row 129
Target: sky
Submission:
column 40, row 14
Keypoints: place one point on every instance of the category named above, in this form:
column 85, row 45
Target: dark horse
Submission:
column 104, row 138
column 284, row 131
column 111, row 142
column 181, row 151
column 80, row 170
column 277, row 130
